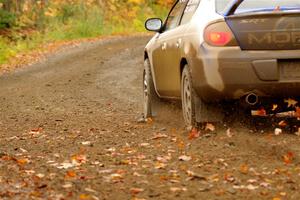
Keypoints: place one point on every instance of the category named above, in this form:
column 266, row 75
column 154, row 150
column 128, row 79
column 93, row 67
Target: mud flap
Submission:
column 208, row 112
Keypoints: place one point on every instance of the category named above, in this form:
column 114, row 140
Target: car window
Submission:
column 189, row 11
column 267, row 5
column 175, row 15
column 261, row 5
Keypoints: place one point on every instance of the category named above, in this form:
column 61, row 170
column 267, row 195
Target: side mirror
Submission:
column 154, row 24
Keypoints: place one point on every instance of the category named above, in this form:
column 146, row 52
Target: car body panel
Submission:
column 166, row 59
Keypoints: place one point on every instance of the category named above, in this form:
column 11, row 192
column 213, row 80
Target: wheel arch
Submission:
column 183, row 62
column 146, row 55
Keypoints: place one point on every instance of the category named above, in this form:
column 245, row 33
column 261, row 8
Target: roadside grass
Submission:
column 85, row 23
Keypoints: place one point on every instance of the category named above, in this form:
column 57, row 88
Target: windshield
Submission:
column 259, row 5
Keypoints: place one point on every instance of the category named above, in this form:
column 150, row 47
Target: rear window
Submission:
column 259, row 5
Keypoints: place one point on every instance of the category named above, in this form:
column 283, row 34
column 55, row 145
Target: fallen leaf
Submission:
column 229, row 133
column 275, row 106
column 23, row 150
column 265, row 184
column 194, row 176
column 79, row 159
column 144, row 144
column 214, row 178
column 84, row 196
column 29, row 172
column 40, row 175
column 71, row 174
column 116, row 177
column 22, row 161
column 229, row 178
column 36, row 131
column 86, row 143
column 244, row 169
column 135, row 191
column 291, row 102
column 160, row 165
column 278, row 131
column 252, row 181
column 260, row 113
column 298, row 132
column 297, row 112
column 181, row 145
column 175, row 189
column 282, row 123
column 185, row 158
column 149, row 120
column 282, row 194
column 248, row 187
column 210, row 127
column 159, row 136
column 67, row 185
column 90, row 190
column 288, row 158
column 194, row 134
column 251, row 187
column 65, row 165
column 163, row 159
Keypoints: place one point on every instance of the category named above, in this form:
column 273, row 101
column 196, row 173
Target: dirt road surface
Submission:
column 69, row 130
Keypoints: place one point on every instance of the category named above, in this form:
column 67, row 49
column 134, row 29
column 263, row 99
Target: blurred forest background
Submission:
column 28, row 24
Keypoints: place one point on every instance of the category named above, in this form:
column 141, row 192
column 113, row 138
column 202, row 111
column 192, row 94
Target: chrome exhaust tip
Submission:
column 251, row 99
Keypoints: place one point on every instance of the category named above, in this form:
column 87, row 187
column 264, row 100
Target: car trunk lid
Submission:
column 266, row 31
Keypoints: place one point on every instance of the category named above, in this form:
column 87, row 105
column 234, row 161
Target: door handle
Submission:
column 164, row 46
column 178, row 43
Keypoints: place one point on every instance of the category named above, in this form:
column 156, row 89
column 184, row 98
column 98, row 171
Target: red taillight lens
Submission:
column 218, row 34
column 219, row 38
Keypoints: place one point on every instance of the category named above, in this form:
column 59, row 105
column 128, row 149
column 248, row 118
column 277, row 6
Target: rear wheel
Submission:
column 151, row 98
column 195, row 110
column 188, row 100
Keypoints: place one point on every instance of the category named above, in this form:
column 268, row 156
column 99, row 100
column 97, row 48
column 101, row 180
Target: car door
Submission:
column 167, row 54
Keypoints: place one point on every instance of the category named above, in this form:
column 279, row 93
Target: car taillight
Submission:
column 219, row 38
column 219, row 34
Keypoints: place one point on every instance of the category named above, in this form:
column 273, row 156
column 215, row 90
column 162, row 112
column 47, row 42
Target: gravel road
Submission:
column 69, row 130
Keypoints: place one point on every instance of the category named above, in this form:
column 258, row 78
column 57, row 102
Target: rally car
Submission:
column 209, row 51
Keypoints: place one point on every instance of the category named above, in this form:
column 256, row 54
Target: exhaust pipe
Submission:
column 251, row 99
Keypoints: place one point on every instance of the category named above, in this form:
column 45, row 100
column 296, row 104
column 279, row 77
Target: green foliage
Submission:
column 7, row 19
column 67, row 11
column 55, row 20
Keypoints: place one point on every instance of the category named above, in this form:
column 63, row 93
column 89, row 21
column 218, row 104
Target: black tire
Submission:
column 151, row 98
column 188, row 98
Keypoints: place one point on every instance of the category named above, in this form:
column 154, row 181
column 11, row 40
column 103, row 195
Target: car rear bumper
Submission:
column 229, row 73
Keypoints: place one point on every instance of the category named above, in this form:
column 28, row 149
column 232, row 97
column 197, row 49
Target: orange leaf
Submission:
column 194, row 134
column 135, row 191
column 71, row 174
column 181, row 145
column 84, row 196
column 262, row 112
column 244, row 169
column 22, row 161
column 149, row 120
column 297, row 111
column 282, row 123
column 6, row 158
column 288, row 158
